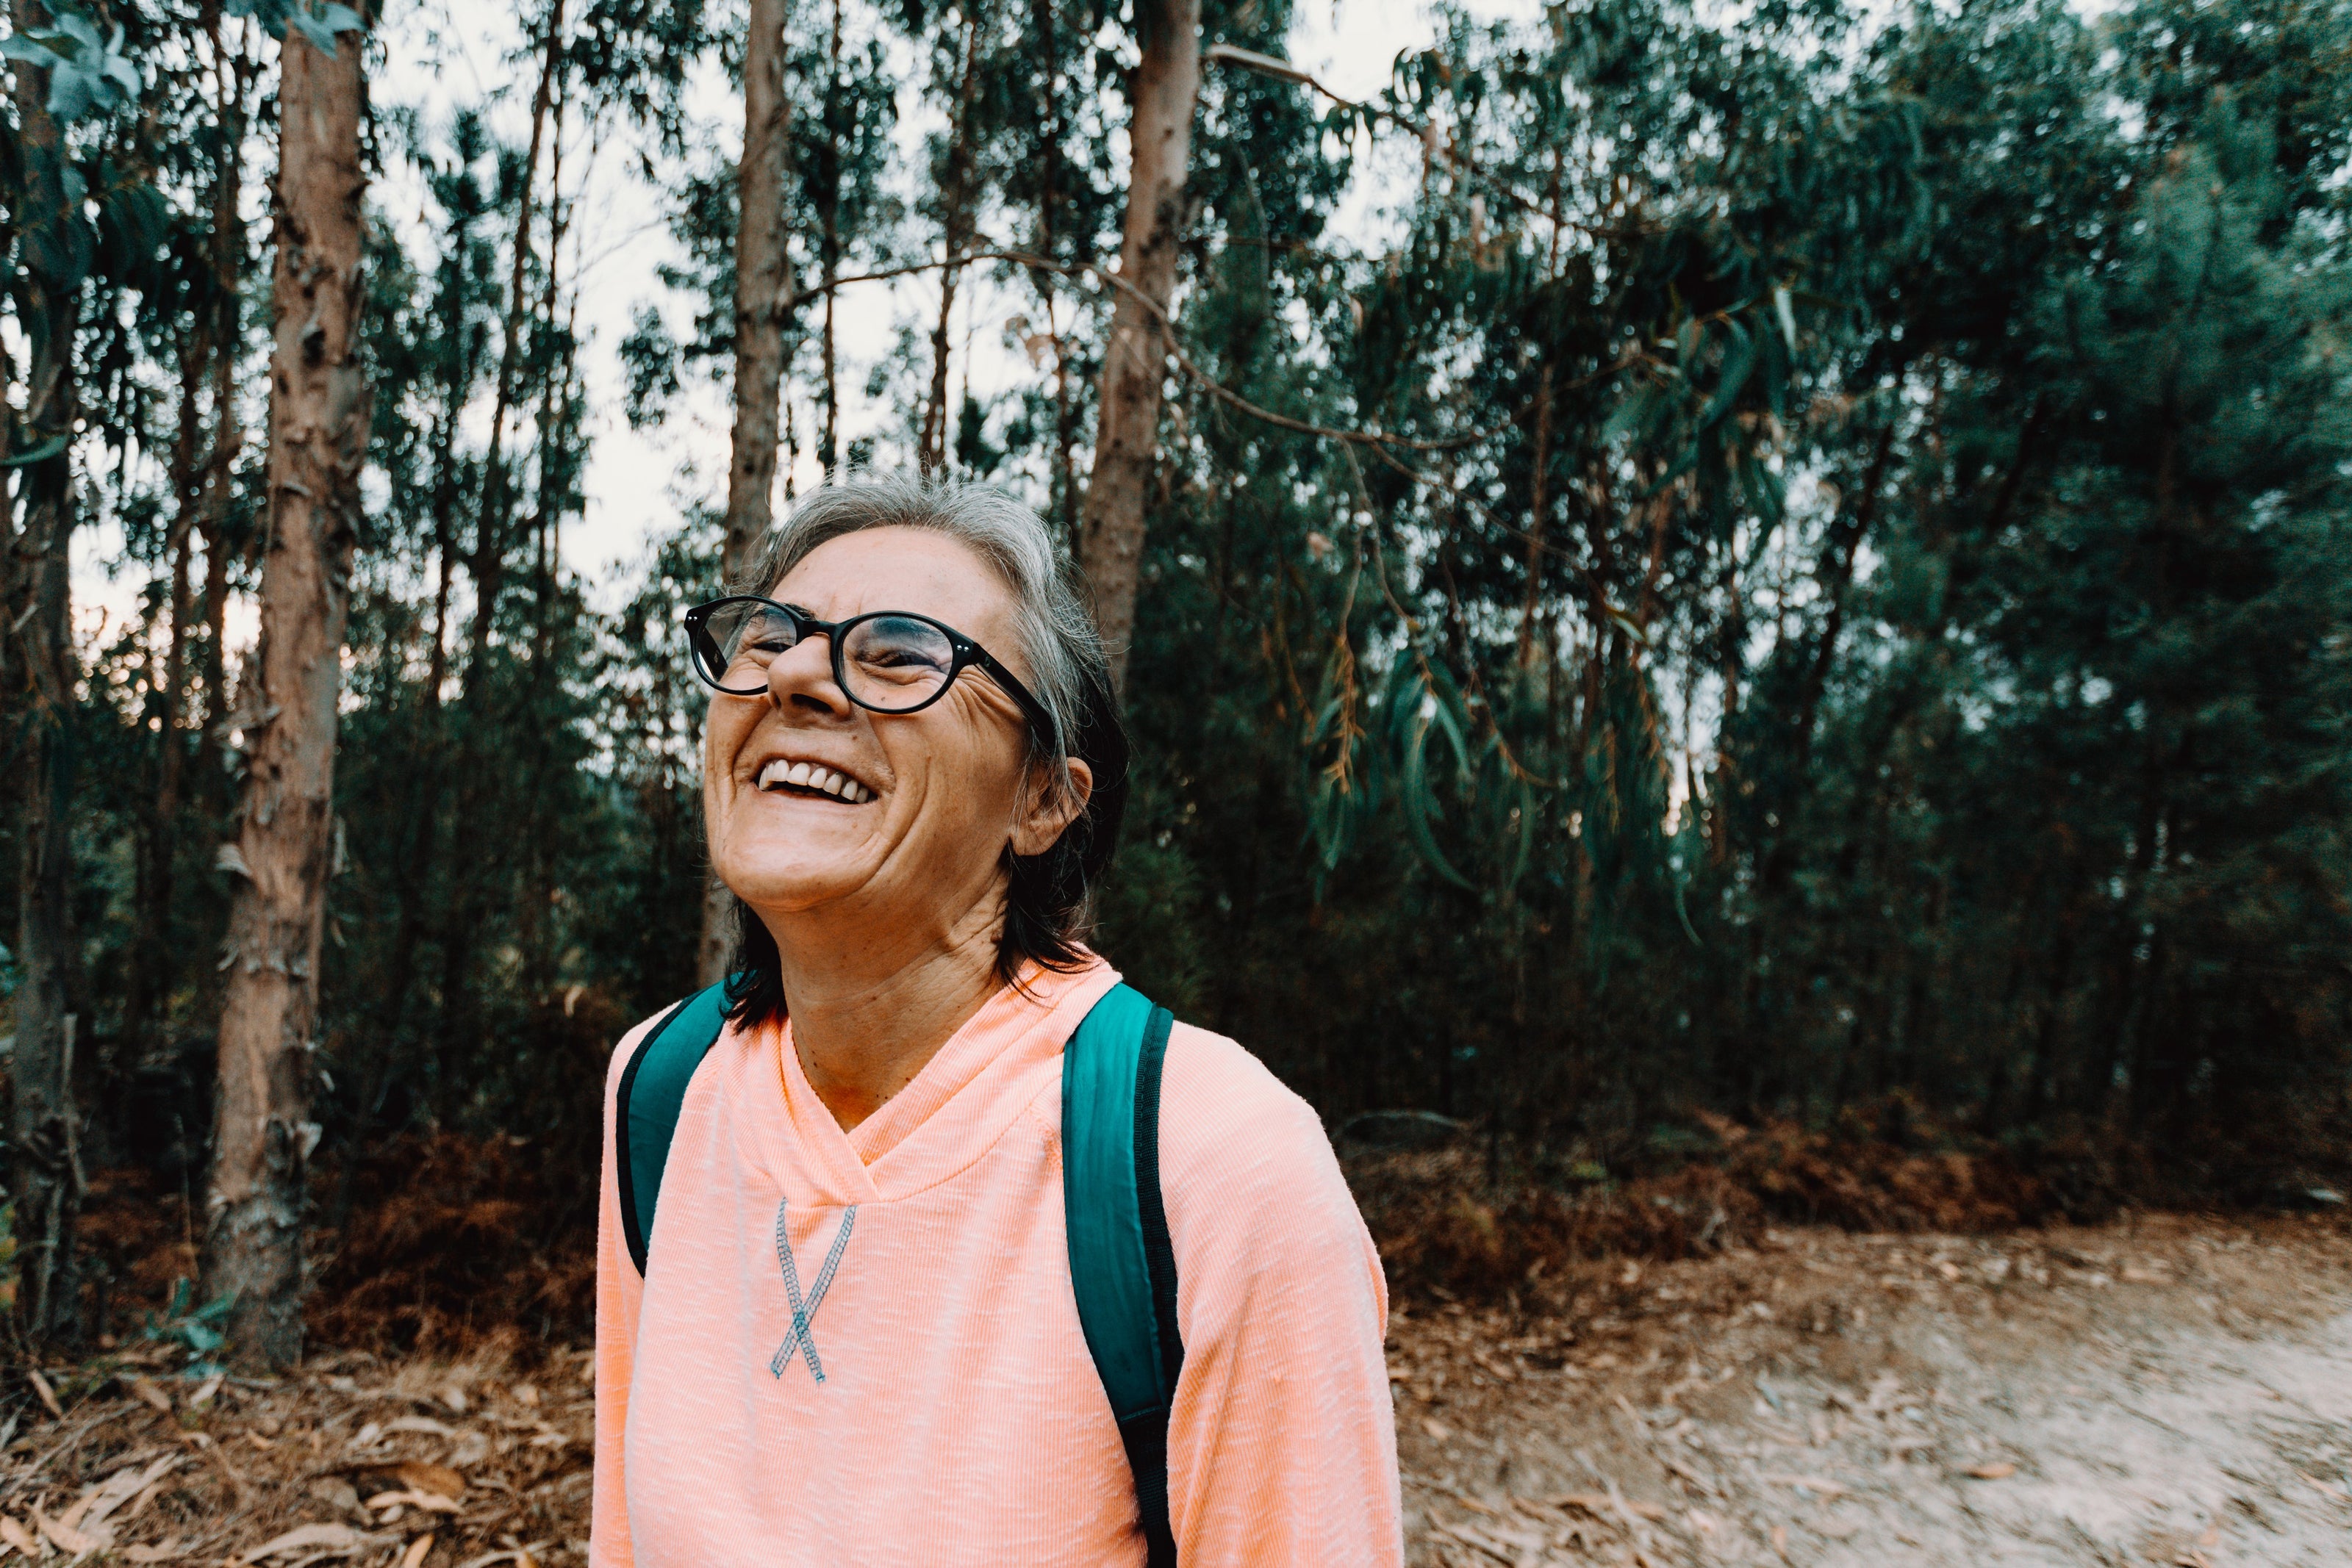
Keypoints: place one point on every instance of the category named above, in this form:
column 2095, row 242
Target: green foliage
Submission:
column 1798, row 554
column 188, row 1328
column 318, row 21
column 87, row 74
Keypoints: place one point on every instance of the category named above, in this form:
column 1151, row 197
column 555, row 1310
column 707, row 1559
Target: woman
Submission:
column 854, row 1339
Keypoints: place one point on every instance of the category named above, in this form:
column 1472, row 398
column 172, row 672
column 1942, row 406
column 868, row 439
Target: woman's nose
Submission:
column 801, row 676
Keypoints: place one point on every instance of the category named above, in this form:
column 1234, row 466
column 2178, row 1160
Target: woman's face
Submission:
column 910, row 844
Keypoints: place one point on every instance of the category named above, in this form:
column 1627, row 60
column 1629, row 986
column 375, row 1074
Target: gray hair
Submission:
column 1049, row 895
column 1059, row 639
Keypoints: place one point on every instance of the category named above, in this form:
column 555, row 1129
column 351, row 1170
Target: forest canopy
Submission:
column 1802, row 564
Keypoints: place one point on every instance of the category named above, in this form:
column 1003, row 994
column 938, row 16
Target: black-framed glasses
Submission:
column 885, row 661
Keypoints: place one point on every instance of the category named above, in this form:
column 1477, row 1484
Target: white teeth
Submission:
column 779, row 773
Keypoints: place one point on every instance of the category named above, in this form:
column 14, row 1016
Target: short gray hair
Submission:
column 1056, row 628
column 1050, row 895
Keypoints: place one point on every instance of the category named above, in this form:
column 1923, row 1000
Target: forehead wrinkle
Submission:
column 917, row 570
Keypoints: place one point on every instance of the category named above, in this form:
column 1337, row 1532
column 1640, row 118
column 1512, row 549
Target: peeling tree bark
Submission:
column 762, row 286
column 319, row 416
column 48, row 1174
column 1167, row 85
column 763, row 298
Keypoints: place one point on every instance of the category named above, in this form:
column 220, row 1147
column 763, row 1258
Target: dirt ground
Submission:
column 2167, row 1391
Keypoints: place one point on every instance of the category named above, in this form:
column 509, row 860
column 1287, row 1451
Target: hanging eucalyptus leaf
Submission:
column 41, row 454
column 88, row 74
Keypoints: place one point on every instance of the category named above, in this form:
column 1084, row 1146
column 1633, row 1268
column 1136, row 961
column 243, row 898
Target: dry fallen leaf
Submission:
column 48, row 1394
column 1999, row 1471
column 169, row 1552
column 18, row 1536
column 329, row 1537
column 1600, row 1507
column 147, row 1389
column 418, row 1548
column 1436, row 1428
column 131, row 1481
column 438, row 1479
column 407, row 1475
column 1815, row 1484
column 66, row 1538
column 431, row 1503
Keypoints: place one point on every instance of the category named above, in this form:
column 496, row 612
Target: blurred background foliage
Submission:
column 1806, row 570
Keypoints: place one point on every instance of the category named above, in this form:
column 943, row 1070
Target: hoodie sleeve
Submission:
column 619, row 1290
column 1282, row 1443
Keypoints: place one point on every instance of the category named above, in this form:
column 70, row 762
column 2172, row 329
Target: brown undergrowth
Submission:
column 1460, row 1220
column 436, row 1244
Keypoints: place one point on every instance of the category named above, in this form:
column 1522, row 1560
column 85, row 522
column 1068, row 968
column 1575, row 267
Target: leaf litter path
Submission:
column 2175, row 1392
column 2169, row 1391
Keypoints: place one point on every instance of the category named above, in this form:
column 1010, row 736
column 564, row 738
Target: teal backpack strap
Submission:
column 1122, row 1266
column 646, row 1109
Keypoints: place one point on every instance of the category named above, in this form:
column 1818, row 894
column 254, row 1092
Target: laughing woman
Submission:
column 962, row 1253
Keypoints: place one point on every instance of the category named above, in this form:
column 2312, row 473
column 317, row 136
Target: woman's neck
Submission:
column 868, row 1016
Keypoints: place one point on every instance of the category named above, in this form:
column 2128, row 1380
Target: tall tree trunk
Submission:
column 828, row 449
column 762, row 298
column 461, row 1012
column 226, row 243
column 319, row 415
column 1166, row 86
column 151, row 952
column 1050, row 198
column 762, row 287
column 489, row 565
column 47, row 1176
column 955, row 200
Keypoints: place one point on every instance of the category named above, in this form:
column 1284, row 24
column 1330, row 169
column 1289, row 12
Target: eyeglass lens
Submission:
column 892, row 663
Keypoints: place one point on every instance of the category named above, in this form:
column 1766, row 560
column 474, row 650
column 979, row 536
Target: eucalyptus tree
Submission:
column 320, row 422
column 1164, row 90
column 764, row 291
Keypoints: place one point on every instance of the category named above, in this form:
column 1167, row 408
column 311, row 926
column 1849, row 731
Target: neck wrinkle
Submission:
column 865, row 1022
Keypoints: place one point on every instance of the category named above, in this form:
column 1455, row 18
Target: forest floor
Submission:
column 2168, row 1391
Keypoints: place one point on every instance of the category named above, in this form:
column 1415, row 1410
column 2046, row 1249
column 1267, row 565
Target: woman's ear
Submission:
column 1048, row 808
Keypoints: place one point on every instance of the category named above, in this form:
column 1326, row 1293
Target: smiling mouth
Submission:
column 814, row 780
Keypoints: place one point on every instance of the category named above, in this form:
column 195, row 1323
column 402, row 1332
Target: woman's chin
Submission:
column 792, row 878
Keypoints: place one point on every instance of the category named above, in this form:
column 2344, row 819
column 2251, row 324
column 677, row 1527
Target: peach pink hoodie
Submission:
column 959, row 1419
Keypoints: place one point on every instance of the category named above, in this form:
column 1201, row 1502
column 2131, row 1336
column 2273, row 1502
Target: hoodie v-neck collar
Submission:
column 952, row 1111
